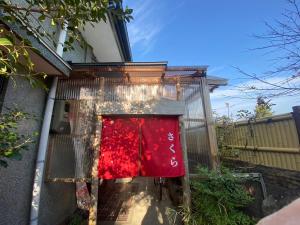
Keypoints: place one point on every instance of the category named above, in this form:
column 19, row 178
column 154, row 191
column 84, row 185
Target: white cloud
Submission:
column 150, row 18
column 238, row 98
column 213, row 70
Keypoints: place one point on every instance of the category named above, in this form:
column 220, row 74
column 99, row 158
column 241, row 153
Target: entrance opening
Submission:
column 146, row 146
column 140, row 164
column 137, row 202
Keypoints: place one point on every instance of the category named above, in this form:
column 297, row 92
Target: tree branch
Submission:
column 27, row 9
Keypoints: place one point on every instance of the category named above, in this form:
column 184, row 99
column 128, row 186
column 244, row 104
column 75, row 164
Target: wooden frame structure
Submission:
column 182, row 83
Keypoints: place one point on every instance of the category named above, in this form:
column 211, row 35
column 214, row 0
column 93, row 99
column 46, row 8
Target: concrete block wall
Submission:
column 16, row 180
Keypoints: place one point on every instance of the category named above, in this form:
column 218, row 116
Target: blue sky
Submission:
column 208, row 32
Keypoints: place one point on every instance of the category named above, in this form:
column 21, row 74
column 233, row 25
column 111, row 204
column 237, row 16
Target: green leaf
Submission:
column 5, row 42
column 3, row 70
column 26, row 42
column 71, row 39
column 52, row 22
column 42, row 17
column 8, row 153
column 7, row 18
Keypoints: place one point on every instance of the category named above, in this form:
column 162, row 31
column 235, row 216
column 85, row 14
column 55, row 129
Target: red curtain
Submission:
column 149, row 146
column 161, row 149
column 119, row 154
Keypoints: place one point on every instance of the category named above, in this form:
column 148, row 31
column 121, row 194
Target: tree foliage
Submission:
column 15, row 60
column 32, row 14
column 11, row 142
column 263, row 108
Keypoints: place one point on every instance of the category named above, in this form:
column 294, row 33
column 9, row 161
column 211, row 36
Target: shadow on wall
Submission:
column 58, row 201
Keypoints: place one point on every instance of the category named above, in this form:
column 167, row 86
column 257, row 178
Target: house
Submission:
column 134, row 96
column 88, row 87
column 16, row 182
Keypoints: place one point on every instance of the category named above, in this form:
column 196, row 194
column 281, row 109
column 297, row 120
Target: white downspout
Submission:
column 43, row 143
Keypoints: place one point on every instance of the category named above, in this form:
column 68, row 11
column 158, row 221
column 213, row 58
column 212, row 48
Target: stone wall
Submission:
column 282, row 186
column 17, row 179
column 57, row 200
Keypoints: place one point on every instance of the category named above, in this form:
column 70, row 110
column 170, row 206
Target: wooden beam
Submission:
column 138, row 78
column 212, row 138
column 95, row 179
column 185, row 179
column 68, row 180
column 162, row 106
column 195, row 120
column 120, row 68
column 265, row 149
column 187, row 68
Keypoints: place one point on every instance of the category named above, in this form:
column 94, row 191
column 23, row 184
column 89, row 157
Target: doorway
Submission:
column 140, row 146
column 134, row 151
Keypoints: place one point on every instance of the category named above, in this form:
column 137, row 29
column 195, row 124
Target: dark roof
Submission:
column 122, row 34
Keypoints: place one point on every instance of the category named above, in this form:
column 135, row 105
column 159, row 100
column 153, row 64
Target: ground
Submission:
column 134, row 203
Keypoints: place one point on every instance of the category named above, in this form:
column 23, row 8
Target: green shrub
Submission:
column 218, row 198
column 12, row 142
column 76, row 220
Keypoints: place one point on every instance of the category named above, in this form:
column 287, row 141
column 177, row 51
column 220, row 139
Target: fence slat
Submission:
column 274, row 142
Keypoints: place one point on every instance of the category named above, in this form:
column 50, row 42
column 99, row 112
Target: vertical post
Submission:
column 43, row 143
column 296, row 116
column 212, row 138
column 95, row 179
column 185, row 179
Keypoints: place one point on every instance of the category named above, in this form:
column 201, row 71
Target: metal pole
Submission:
column 296, row 116
column 40, row 162
column 227, row 105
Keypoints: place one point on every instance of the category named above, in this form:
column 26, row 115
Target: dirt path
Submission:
column 134, row 203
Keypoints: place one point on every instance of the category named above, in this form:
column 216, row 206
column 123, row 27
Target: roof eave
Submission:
column 215, row 82
column 43, row 49
column 120, row 30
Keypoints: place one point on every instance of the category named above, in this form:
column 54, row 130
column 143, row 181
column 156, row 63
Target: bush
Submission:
column 12, row 142
column 218, row 198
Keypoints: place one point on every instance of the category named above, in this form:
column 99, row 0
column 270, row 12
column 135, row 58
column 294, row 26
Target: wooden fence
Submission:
column 271, row 141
